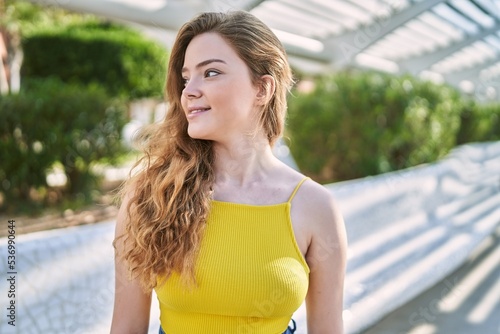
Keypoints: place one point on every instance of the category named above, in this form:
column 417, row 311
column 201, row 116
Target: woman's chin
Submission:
column 198, row 135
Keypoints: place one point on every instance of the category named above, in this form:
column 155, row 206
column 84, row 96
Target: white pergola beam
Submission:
column 252, row 4
column 417, row 64
column 227, row 5
column 342, row 49
column 307, row 55
column 467, row 74
column 171, row 16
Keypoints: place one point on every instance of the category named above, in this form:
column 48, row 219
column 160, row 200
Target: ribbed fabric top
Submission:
column 251, row 274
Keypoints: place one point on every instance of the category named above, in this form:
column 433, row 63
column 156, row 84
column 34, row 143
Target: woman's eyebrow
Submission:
column 205, row 62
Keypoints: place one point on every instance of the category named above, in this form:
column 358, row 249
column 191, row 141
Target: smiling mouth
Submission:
column 197, row 111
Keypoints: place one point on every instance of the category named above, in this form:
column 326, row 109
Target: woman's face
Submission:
column 219, row 98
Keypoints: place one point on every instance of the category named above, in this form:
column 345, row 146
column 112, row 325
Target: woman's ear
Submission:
column 267, row 87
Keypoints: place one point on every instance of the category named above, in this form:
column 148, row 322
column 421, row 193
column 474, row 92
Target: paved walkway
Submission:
column 65, row 281
column 465, row 302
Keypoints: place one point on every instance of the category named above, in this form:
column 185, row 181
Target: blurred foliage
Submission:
column 78, row 73
column 479, row 122
column 355, row 124
column 119, row 59
column 85, row 49
column 48, row 122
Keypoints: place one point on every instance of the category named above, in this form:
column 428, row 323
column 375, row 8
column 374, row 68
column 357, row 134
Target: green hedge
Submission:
column 49, row 122
column 479, row 122
column 119, row 59
column 358, row 124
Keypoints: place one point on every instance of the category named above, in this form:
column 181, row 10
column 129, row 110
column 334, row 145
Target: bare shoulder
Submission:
column 317, row 203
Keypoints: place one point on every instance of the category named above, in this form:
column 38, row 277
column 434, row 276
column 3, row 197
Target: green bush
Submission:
column 479, row 122
column 49, row 122
column 119, row 59
column 24, row 146
column 357, row 124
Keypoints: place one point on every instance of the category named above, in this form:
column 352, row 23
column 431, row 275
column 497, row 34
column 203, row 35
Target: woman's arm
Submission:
column 326, row 257
column 132, row 305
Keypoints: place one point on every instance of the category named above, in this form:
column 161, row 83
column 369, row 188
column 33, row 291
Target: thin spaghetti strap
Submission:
column 297, row 188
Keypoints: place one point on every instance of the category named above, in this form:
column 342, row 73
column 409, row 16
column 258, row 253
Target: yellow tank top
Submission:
column 251, row 274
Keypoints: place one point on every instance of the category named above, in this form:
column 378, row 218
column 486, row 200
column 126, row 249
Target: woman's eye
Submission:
column 185, row 81
column 211, row 73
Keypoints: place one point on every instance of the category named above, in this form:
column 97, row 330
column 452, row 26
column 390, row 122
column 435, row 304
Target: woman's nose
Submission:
column 192, row 89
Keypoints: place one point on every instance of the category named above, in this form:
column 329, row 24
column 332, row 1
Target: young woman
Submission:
column 231, row 239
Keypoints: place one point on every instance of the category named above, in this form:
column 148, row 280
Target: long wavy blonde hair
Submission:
column 171, row 195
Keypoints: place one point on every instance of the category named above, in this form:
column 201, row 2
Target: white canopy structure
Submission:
column 454, row 41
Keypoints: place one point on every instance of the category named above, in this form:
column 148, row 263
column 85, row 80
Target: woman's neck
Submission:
column 242, row 162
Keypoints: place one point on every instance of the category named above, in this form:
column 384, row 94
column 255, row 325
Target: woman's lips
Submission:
column 193, row 112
